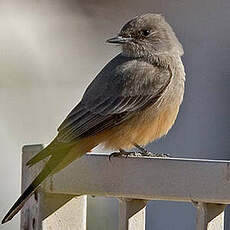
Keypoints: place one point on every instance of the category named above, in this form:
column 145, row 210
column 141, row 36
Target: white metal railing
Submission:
column 134, row 181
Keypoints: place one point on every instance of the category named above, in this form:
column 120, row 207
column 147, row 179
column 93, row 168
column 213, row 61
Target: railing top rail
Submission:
column 175, row 179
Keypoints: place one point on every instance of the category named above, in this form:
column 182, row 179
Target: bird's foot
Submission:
column 145, row 152
column 141, row 152
column 121, row 153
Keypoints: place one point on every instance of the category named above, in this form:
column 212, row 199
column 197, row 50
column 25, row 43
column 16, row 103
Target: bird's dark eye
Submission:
column 145, row 32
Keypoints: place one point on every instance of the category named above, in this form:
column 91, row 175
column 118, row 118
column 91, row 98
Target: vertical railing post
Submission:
column 31, row 213
column 209, row 216
column 46, row 211
column 201, row 216
column 132, row 214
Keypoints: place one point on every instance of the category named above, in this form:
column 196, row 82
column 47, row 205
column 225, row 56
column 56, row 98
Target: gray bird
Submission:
column 134, row 100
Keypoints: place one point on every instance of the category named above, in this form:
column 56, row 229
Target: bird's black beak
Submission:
column 118, row 40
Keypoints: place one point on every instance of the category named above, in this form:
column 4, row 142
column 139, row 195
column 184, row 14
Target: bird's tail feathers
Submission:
column 59, row 159
column 28, row 192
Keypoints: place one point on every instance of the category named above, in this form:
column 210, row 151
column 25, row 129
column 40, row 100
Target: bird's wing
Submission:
column 122, row 88
column 119, row 90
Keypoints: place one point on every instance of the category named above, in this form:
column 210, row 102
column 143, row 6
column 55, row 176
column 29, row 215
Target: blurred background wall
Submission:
column 51, row 50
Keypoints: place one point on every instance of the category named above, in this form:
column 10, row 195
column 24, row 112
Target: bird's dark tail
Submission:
column 61, row 156
column 30, row 190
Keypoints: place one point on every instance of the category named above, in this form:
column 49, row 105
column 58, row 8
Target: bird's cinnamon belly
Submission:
column 145, row 127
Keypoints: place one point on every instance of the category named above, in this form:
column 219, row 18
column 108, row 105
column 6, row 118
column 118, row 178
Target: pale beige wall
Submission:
column 47, row 58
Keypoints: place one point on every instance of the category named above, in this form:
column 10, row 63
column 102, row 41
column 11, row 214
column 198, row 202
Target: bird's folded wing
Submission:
column 113, row 97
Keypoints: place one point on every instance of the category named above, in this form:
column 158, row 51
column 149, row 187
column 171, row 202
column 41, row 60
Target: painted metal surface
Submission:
column 134, row 181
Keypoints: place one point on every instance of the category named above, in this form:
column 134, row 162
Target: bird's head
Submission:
column 147, row 35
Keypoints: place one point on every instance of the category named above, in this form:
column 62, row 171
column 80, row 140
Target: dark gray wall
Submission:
column 50, row 51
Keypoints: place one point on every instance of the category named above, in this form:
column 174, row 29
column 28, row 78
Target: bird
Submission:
column 133, row 101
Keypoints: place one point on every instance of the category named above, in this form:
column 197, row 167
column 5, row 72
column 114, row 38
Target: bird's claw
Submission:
column 121, row 153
